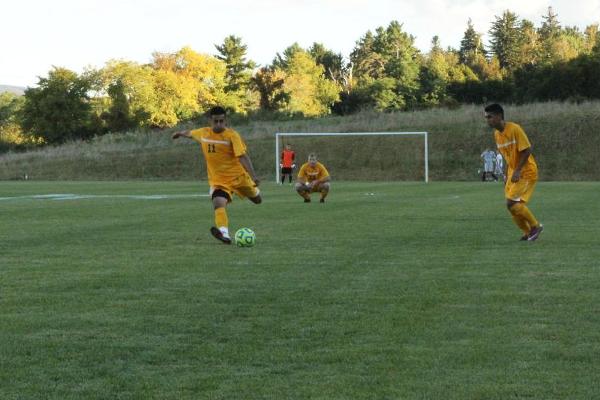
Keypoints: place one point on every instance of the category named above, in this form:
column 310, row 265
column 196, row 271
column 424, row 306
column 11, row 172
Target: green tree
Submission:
column 241, row 96
column 308, row 91
column 282, row 61
column 269, row 83
column 118, row 117
column 58, row 109
column 471, row 45
column 366, row 62
column 549, row 34
column 439, row 69
column 506, row 40
column 131, row 83
column 592, row 37
column 529, row 51
column 390, row 53
column 333, row 63
column 11, row 135
column 238, row 69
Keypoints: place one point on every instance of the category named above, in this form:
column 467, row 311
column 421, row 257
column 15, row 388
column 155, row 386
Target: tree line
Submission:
column 384, row 71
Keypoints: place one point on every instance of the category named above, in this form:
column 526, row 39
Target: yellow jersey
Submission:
column 221, row 152
column 510, row 142
column 309, row 173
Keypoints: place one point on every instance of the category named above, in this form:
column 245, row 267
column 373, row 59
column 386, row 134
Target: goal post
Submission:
column 287, row 134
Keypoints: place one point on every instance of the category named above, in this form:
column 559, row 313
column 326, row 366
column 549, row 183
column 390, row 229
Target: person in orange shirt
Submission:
column 228, row 165
column 287, row 163
column 522, row 171
column 313, row 177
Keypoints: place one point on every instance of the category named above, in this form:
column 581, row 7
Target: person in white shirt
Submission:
column 499, row 166
column 488, row 165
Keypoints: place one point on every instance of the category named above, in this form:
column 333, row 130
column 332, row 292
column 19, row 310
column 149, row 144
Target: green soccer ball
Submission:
column 245, row 237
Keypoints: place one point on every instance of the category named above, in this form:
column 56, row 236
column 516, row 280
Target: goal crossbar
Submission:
column 282, row 134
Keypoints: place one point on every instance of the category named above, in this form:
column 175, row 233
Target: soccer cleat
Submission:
column 535, row 232
column 307, row 200
column 322, row 201
column 219, row 235
column 524, row 237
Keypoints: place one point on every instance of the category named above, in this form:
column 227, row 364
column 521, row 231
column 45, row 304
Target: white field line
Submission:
column 70, row 196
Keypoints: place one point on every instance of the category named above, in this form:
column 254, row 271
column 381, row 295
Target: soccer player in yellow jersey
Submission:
column 313, row 177
column 522, row 173
column 229, row 168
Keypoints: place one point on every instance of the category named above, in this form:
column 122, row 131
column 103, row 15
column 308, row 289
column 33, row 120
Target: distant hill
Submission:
column 13, row 89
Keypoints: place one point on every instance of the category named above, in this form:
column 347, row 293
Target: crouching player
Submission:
column 313, row 177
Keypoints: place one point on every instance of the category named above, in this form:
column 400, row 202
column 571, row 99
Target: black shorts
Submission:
column 286, row 170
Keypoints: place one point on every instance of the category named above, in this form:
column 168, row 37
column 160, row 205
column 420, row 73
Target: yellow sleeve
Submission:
column 197, row 135
column 323, row 173
column 302, row 172
column 521, row 138
column 239, row 147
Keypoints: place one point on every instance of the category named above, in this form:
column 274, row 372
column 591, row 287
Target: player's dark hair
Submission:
column 495, row 109
column 218, row 110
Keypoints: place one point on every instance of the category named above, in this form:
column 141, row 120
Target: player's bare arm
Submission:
column 247, row 164
column 178, row 134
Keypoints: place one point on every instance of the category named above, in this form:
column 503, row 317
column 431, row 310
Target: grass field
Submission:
column 387, row 291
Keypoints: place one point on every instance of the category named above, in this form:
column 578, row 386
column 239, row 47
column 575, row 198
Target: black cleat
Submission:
column 219, row 235
column 322, row 201
column 307, row 200
column 535, row 232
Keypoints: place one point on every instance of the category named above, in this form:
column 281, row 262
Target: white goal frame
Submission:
column 282, row 134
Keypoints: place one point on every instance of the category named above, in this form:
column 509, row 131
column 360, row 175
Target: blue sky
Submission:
column 36, row 34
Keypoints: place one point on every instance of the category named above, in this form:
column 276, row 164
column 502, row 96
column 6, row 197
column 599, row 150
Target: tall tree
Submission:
column 549, row 34
column 333, row 63
column 269, row 83
column 389, row 54
column 58, row 109
column 471, row 45
column 529, row 50
column 308, row 91
column 365, row 60
column 506, row 40
column 133, row 84
column 592, row 37
column 282, row 60
column 238, row 69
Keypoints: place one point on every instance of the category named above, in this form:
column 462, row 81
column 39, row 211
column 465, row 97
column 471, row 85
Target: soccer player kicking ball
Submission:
column 313, row 177
column 522, row 172
column 228, row 165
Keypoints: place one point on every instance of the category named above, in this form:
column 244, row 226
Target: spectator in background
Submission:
column 499, row 166
column 488, row 157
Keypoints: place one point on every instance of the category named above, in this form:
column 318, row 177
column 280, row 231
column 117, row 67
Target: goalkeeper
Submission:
column 313, row 177
column 287, row 163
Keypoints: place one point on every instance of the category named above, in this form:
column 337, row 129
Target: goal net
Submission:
column 360, row 155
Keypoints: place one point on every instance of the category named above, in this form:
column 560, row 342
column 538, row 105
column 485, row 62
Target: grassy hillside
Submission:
column 564, row 135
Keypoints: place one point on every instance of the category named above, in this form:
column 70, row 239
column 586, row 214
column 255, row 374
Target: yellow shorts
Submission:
column 520, row 190
column 243, row 186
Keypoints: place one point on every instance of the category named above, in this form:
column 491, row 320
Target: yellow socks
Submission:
column 522, row 224
column 221, row 220
column 523, row 217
